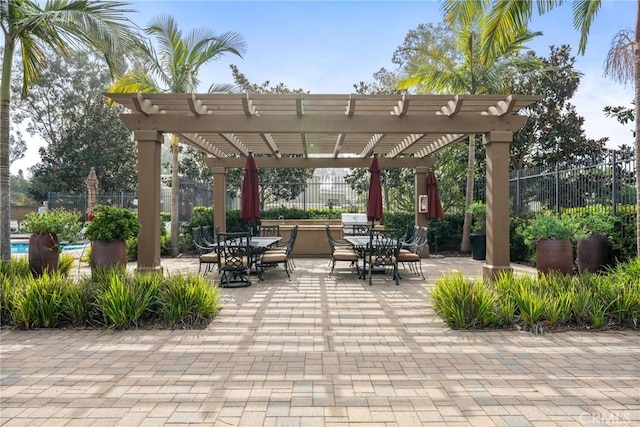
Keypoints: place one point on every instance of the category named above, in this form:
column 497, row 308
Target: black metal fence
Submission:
column 604, row 184
column 609, row 182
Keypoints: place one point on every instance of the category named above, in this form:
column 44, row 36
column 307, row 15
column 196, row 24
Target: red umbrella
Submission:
column 434, row 210
column 374, row 205
column 250, row 209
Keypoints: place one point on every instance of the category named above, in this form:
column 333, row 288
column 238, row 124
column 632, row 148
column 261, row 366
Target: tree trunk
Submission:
column 5, row 191
column 175, row 220
column 465, row 245
column 637, row 144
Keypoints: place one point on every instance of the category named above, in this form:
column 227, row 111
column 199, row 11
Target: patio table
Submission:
column 360, row 244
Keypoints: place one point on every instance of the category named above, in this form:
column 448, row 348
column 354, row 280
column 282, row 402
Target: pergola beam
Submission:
column 402, row 107
column 362, row 124
column 235, row 142
column 371, row 145
column 271, row 144
column 320, row 162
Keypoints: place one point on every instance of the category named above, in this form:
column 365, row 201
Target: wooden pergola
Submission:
column 322, row 131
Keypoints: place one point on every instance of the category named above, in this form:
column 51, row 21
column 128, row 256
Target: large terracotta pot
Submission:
column 108, row 253
column 44, row 253
column 554, row 255
column 593, row 253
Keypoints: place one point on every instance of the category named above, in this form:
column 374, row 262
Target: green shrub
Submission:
column 66, row 264
column 125, row 300
column 547, row 225
column 188, row 301
column 531, row 307
column 464, row 303
column 112, row 224
column 45, row 302
column 61, row 222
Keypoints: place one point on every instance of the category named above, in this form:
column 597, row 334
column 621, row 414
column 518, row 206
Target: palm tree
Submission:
column 473, row 75
column 503, row 17
column 174, row 68
column 60, row 25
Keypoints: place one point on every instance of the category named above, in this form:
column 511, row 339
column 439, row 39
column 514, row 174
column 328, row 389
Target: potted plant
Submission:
column 47, row 229
column 552, row 237
column 108, row 232
column 478, row 211
column 593, row 250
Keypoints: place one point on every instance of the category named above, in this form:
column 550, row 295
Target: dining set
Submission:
column 371, row 251
column 239, row 255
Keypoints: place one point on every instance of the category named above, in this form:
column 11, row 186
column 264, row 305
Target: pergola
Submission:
column 322, row 131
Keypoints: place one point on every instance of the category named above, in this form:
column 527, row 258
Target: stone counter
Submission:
column 312, row 237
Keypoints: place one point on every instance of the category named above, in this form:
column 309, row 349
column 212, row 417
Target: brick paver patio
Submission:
column 321, row 351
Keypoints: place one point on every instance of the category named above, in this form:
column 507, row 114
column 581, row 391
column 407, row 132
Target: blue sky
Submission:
column 327, row 46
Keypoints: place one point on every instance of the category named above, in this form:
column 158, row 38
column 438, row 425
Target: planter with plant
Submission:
column 47, row 230
column 108, row 232
column 478, row 211
column 552, row 237
column 593, row 250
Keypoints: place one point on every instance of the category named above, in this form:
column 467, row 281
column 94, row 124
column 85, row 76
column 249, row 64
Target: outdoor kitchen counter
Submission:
column 312, row 237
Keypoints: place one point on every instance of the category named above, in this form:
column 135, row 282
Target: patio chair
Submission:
column 340, row 252
column 360, row 229
column 234, row 253
column 207, row 254
column 207, row 237
column 414, row 256
column 273, row 257
column 409, row 242
column 269, row 231
column 382, row 251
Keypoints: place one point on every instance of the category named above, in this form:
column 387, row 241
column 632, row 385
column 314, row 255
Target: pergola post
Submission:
column 420, row 185
column 219, row 198
column 497, row 194
column 149, row 144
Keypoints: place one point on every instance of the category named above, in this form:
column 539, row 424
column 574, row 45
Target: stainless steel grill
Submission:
column 351, row 219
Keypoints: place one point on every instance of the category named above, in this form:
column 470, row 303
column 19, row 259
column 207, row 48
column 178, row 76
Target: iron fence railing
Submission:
column 605, row 184
column 609, row 182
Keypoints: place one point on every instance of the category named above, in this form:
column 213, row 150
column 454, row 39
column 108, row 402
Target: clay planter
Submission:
column 44, row 253
column 593, row 253
column 554, row 255
column 108, row 253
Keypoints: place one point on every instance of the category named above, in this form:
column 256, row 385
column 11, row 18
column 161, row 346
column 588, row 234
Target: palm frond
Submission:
column 462, row 12
column 621, row 56
column 584, row 12
column 504, row 19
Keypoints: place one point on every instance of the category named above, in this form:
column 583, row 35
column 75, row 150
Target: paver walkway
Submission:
column 321, row 351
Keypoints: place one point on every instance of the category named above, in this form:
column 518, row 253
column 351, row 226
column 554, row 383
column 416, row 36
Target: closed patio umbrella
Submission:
column 434, row 209
column 92, row 193
column 250, row 208
column 374, row 204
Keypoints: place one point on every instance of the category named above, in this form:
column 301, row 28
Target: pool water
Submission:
column 23, row 247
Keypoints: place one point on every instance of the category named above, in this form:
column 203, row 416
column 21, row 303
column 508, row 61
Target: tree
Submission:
column 17, row 147
column 553, row 133
column 174, row 68
column 475, row 75
column 95, row 137
column 285, row 183
column 60, row 25
column 503, row 18
column 66, row 109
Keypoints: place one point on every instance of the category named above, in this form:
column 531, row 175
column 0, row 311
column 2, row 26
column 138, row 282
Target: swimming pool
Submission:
column 23, row 247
